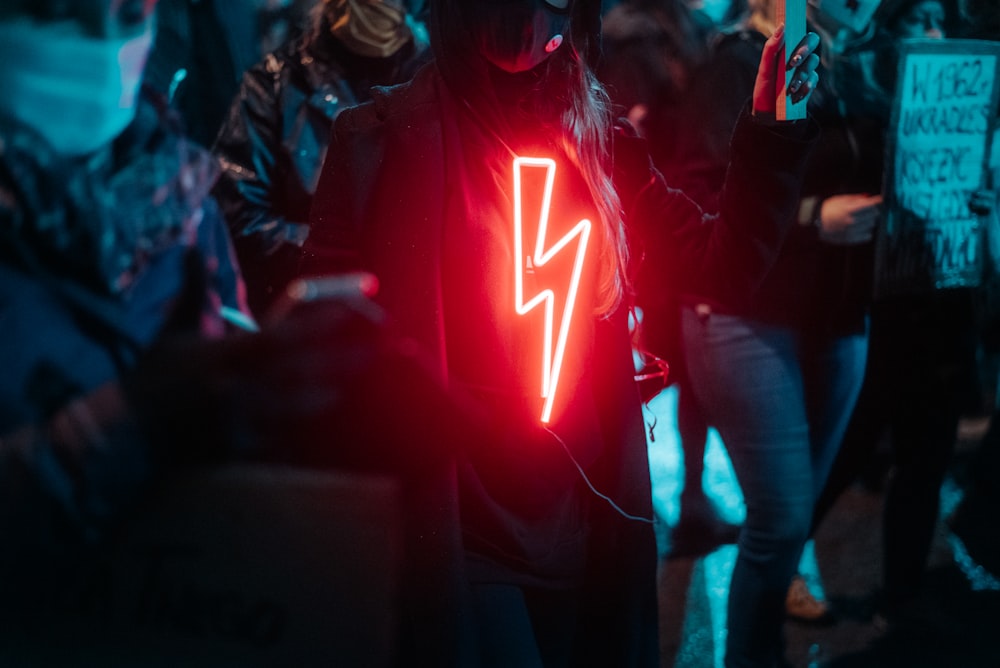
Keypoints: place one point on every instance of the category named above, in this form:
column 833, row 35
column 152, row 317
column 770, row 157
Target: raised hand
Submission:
column 771, row 73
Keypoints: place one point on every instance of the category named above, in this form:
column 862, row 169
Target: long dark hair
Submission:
column 575, row 102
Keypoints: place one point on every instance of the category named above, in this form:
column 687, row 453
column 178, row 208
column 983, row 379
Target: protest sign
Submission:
column 937, row 148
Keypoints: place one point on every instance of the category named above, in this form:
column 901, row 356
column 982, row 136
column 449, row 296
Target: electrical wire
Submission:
column 593, row 489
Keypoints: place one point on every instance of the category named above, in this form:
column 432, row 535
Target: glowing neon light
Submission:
column 551, row 359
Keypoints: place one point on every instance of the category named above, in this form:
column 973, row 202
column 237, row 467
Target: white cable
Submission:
column 591, row 486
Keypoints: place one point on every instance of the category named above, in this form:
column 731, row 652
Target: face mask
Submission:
column 369, row 27
column 78, row 92
column 518, row 36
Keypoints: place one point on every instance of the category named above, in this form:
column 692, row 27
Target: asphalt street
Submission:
column 956, row 624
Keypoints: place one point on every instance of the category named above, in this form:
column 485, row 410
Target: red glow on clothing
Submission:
column 555, row 334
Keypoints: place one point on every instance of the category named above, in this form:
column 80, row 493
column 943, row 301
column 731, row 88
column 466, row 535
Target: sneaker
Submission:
column 802, row 606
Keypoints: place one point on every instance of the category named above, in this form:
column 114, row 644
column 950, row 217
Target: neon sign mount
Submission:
column 552, row 350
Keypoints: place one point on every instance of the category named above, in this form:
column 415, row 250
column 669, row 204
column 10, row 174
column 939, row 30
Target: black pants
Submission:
column 921, row 355
column 524, row 627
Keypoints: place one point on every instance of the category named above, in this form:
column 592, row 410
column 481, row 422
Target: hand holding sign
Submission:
column 983, row 202
column 938, row 148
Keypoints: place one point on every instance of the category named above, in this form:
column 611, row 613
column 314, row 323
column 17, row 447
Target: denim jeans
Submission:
column 781, row 402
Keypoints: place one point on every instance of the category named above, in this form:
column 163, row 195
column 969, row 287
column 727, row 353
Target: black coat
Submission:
column 813, row 286
column 94, row 261
column 272, row 145
column 394, row 156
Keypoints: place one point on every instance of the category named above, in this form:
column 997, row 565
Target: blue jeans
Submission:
column 781, row 402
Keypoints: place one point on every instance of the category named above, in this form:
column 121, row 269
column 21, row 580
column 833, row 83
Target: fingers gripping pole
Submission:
column 793, row 14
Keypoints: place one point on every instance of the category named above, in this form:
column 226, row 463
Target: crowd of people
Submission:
column 239, row 230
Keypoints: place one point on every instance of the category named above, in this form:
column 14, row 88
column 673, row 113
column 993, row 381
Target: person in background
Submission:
column 123, row 324
column 779, row 375
column 273, row 142
column 421, row 187
column 651, row 50
column 921, row 361
column 973, row 520
column 200, row 51
column 282, row 21
column 980, row 20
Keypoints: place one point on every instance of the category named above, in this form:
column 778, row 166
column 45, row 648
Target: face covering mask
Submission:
column 78, row 92
column 369, row 27
column 518, row 36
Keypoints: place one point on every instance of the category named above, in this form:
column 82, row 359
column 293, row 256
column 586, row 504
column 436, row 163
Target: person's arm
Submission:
column 710, row 109
column 257, row 196
column 291, row 393
column 245, row 149
column 726, row 256
column 226, row 280
column 73, row 474
column 841, row 220
column 757, row 206
column 356, row 148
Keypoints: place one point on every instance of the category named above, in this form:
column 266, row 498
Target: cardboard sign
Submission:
column 246, row 566
column 793, row 14
column 937, row 149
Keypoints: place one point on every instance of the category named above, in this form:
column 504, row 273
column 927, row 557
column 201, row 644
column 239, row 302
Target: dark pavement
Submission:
column 956, row 625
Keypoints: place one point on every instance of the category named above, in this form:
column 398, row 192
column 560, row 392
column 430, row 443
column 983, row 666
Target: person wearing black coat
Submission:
column 778, row 375
column 273, row 141
column 129, row 356
column 437, row 187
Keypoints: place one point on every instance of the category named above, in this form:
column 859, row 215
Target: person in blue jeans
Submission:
column 421, row 187
column 777, row 374
column 781, row 401
column 922, row 357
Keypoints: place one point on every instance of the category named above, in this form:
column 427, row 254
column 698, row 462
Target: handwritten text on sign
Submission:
column 946, row 105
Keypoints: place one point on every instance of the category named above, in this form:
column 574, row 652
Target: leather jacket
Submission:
column 272, row 147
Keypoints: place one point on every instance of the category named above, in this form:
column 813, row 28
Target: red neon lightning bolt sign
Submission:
column 552, row 351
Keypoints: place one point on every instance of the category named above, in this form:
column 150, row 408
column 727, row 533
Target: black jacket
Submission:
column 813, row 286
column 400, row 158
column 95, row 258
column 273, row 143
